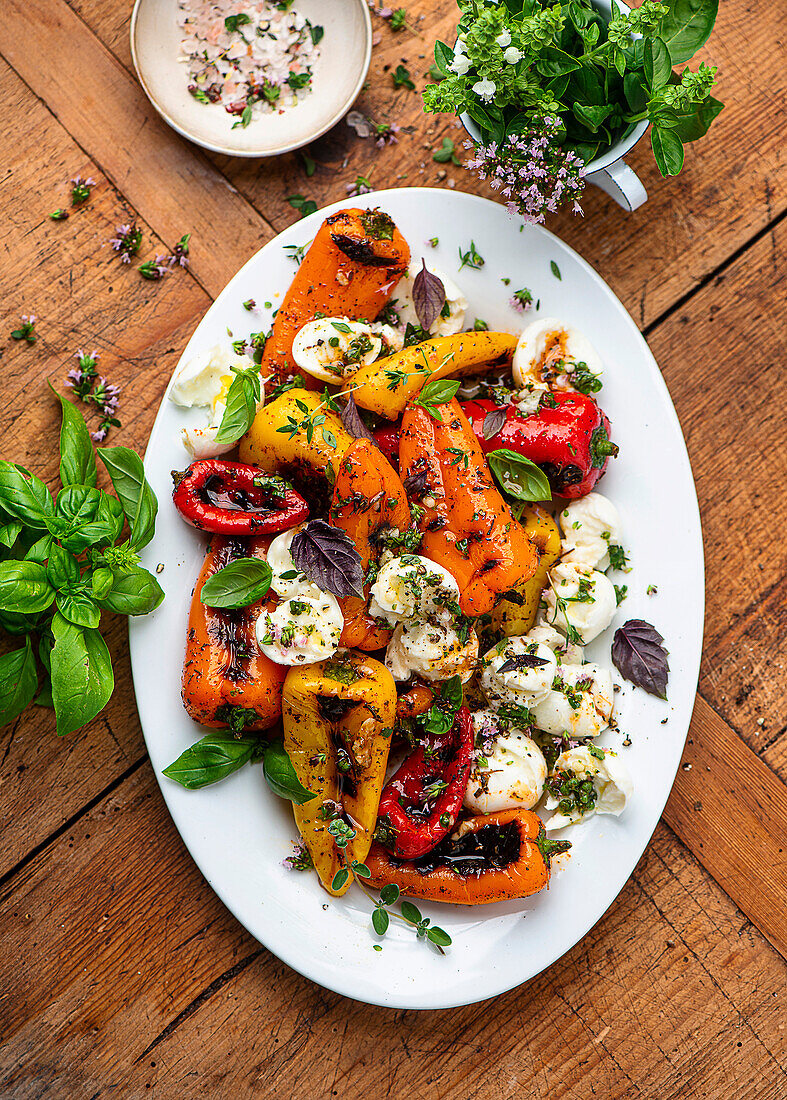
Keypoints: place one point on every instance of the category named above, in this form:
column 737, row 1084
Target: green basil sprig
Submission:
column 437, row 392
column 241, row 408
column 518, row 476
column 61, row 564
column 238, row 584
column 216, row 756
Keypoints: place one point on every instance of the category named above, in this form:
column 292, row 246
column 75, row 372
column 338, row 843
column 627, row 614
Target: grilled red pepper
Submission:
column 421, row 802
column 231, row 498
column 388, row 441
column 568, row 437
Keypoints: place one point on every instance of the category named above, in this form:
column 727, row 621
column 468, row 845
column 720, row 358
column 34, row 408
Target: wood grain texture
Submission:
column 688, row 227
column 120, row 971
column 673, row 994
column 166, row 179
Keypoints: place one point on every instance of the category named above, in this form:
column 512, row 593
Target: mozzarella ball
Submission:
column 287, row 580
column 411, row 586
column 204, row 382
column 511, row 778
column 578, row 704
column 565, row 651
column 524, row 684
column 402, row 302
column 432, row 649
column 332, row 348
column 588, row 526
column 580, row 601
column 611, row 781
column 301, row 630
column 549, row 352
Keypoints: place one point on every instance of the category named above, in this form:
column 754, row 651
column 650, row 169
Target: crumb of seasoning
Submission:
column 249, row 304
column 160, row 567
column 257, row 61
column 59, row 215
column 26, row 330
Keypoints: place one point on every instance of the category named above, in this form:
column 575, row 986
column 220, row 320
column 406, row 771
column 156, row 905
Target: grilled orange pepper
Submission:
column 506, row 855
column 338, row 717
column 467, row 526
column 516, row 612
column 224, row 671
column 368, row 496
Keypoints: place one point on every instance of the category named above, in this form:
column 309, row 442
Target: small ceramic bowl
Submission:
column 346, row 51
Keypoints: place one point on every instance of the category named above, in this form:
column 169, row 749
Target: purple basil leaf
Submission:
column 639, row 656
column 493, row 422
column 428, row 297
column 522, row 660
column 416, row 484
column 353, row 422
column 363, row 126
column 329, row 557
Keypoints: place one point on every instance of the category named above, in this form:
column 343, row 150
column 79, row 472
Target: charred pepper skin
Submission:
column 568, row 438
column 235, row 499
column 490, row 858
column 444, row 759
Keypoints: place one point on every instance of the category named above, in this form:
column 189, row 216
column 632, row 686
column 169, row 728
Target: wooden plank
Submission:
column 166, row 179
column 67, row 274
column 742, row 842
column 147, row 983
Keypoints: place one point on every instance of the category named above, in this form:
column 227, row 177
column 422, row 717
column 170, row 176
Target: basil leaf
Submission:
column 134, row 591
column 14, row 623
column 79, row 608
column 552, row 62
column 518, row 476
column 77, row 459
column 694, row 123
column 639, row 656
column 443, row 56
column 428, row 295
column 686, row 27
column 437, row 392
column 667, row 149
column 329, row 557
column 24, row 496
column 24, row 587
column 354, row 423
column 40, row 551
column 82, row 677
column 238, row 584
column 522, row 660
column 136, row 496
column 10, row 532
column 101, row 582
column 75, row 507
column 634, row 91
column 104, row 528
column 241, row 407
column 216, row 756
column 18, row 682
column 62, row 568
column 280, row 774
column 658, row 66
column 493, row 422
column 592, row 116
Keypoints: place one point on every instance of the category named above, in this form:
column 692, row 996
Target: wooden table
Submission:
column 123, row 973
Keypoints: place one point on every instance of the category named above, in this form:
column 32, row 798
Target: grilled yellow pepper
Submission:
column 386, row 386
column 514, row 617
column 338, row 717
column 298, row 452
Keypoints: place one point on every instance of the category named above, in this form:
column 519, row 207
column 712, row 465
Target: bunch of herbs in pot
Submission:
column 551, row 87
column 63, row 563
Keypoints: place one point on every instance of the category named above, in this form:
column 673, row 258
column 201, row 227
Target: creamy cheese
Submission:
column 432, row 649
column 301, row 629
column 550, row 352
column 411, row 586
column 333, row 348
column 510, row 774
column 287, row 580
column 580, row 601
column 455, row 301
column 588, row 526
column 610, row 778
column 204, row 382
column 523, row 685
column 578, row 704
